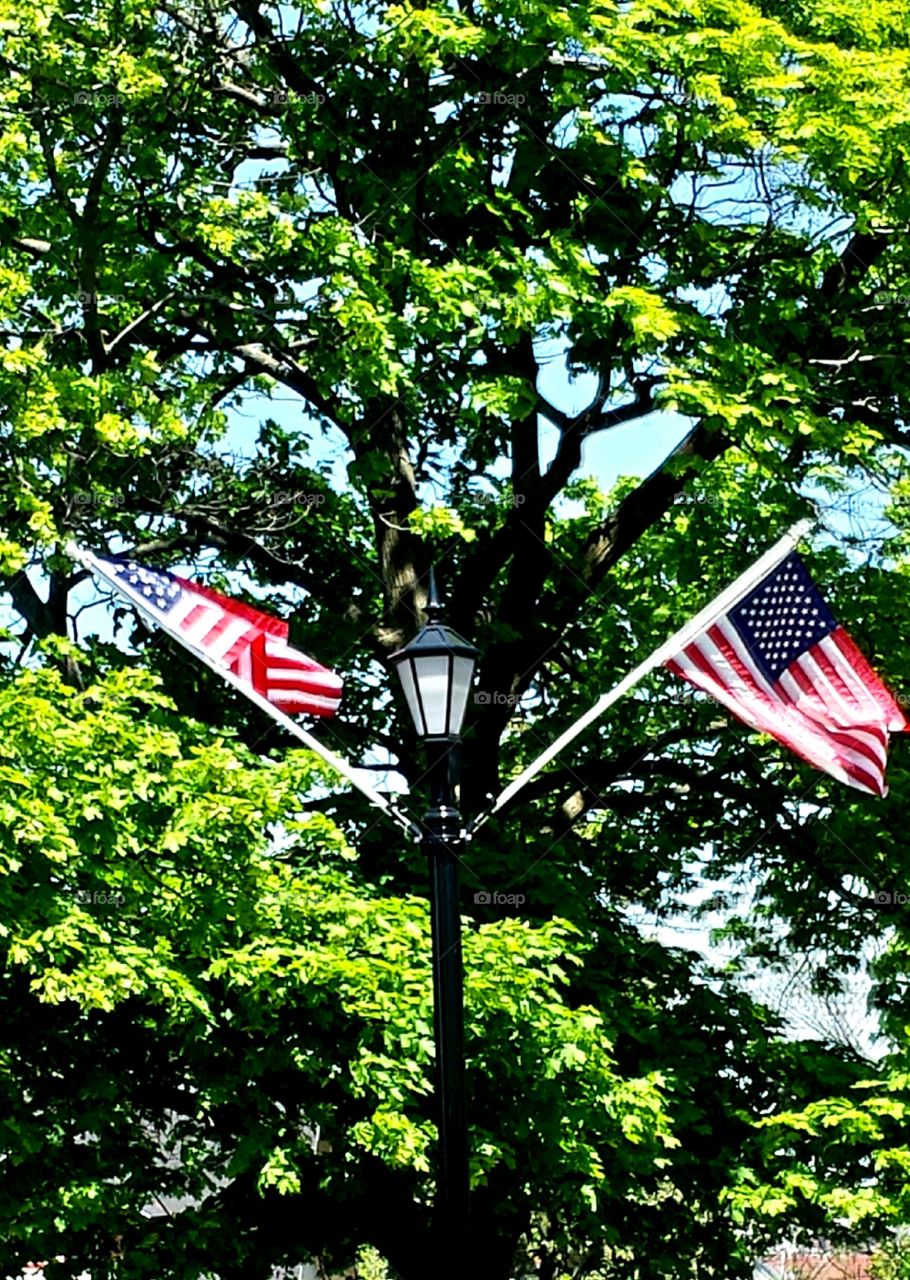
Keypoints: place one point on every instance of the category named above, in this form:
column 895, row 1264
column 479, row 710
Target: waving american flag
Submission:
column 780, row 661
column 251, row 644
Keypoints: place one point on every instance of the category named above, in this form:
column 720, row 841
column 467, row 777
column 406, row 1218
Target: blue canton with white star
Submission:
column 159, row 589
column 782, row 617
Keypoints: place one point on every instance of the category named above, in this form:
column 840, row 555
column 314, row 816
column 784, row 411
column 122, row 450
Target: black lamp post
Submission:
column 436, row 670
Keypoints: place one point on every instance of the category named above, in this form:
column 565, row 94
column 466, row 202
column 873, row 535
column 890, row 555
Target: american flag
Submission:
column 251, row 644
column 779, row 660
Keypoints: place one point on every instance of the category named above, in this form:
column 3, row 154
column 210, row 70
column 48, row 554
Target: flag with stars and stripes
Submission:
column 779, row 660
column 251, row 644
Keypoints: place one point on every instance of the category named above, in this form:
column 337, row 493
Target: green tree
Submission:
column 397, row 217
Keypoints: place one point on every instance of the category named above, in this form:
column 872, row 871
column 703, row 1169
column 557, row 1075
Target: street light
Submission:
column 436, row 670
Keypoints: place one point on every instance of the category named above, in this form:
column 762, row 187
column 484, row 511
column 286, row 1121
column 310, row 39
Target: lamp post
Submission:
column 436, row 670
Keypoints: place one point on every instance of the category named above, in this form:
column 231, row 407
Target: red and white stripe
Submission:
column 254, row 646
column 828, row 706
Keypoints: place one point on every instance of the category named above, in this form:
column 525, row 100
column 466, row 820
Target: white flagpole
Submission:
column 726, row 600
column 340, row 765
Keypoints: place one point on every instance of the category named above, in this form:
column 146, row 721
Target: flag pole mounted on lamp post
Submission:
column 105, row 569
column 679, row 640
column 436, row 670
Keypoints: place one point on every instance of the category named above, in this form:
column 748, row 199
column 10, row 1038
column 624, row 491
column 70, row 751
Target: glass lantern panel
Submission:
column 405, row 671
column 433, row 680
column 462, row 677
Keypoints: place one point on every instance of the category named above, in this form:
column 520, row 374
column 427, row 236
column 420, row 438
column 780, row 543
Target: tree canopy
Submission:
column 283, row 288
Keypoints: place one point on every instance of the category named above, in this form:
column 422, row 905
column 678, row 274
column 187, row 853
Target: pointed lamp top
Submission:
column 436, row 669
column 433, row 608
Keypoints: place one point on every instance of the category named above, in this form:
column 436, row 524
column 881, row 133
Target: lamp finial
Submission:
column 433, row 608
